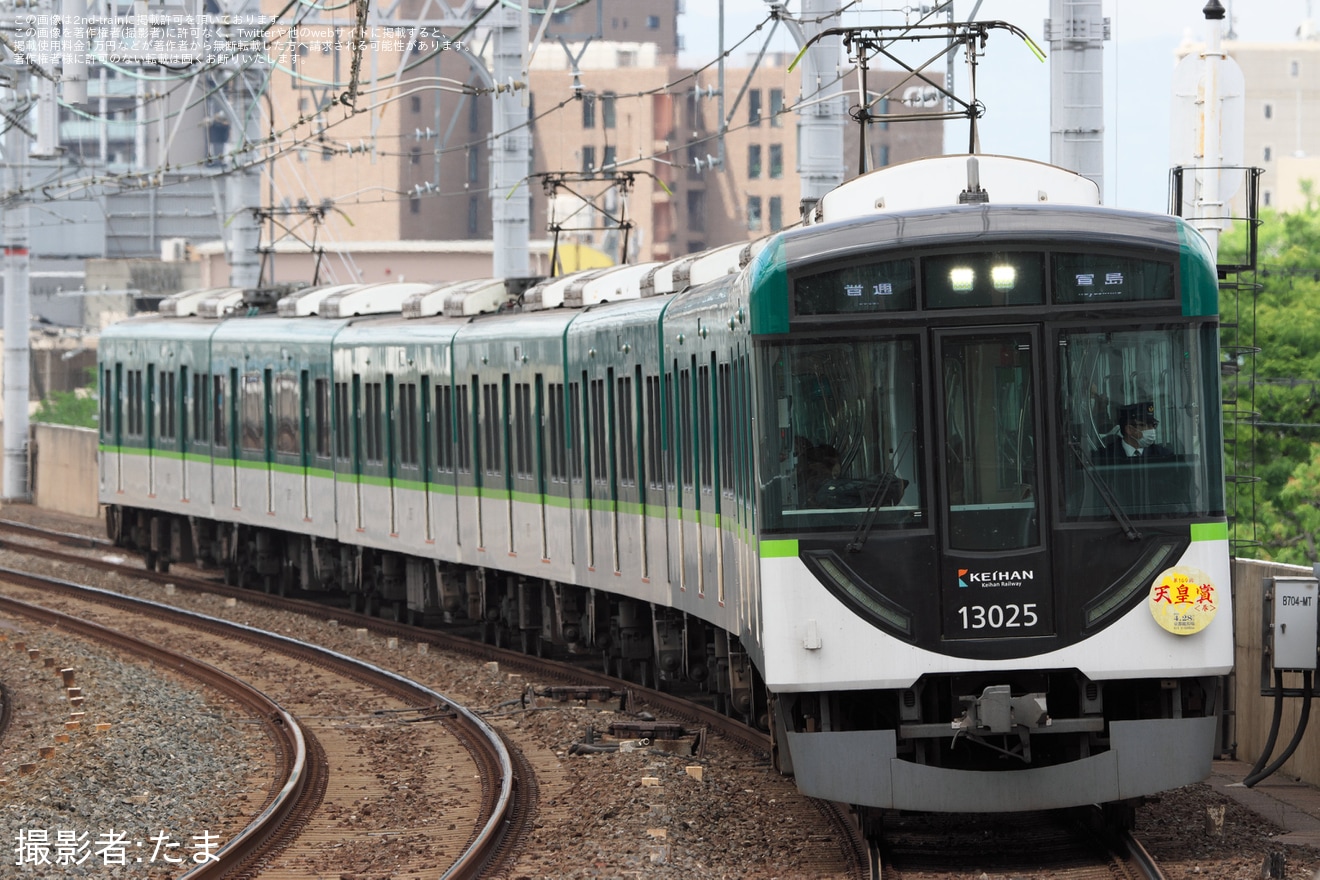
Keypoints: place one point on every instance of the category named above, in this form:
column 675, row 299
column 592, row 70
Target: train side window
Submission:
column 201, row 406
column 286, row 414
column 624, row 442
column 444, row 428
column 408, row 424
column 556, row 429
column 321, row 396
column 599, row 453
column 341, row 421
column 668, row 430
column 725, row 427
column 492, row 425
column 219, row 435
column 253, row 409
column 134, row 407
column 372, row 429
column 108, row 398
column 522, row 422
column 168, row 406
column 575, row 429
column 463, row 430
column 684, row 439
column 705, row 437
column 654, row 451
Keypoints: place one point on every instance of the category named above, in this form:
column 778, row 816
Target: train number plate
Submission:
column 997, row 602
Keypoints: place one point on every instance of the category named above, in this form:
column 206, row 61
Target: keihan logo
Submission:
column 962, row 583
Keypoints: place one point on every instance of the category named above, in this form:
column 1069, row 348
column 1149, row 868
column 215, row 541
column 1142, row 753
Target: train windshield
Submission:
column 840, row 434
column 1142, row 433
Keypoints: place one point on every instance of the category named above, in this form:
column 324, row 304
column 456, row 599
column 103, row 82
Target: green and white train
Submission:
column 852, row 479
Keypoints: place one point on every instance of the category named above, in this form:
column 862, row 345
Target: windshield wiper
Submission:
column 1106, row 493
column 887, row 482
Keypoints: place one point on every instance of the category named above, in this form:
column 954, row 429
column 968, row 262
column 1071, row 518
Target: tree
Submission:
column 1284, row 387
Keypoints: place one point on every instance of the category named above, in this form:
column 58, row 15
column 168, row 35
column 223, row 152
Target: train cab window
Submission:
column 1135, row 442
column 286, row 414
column 840, row 435
column 990, row 442
column 960, row 281
column 252, row 404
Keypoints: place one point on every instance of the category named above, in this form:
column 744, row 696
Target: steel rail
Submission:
column 478, row 736
column 281, row 727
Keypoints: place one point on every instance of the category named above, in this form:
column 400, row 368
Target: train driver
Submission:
column 1136, row 436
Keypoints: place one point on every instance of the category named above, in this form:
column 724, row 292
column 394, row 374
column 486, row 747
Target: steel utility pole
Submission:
column 17, row 322
column 1077, row 30
column 511, row 152
column 821, row 121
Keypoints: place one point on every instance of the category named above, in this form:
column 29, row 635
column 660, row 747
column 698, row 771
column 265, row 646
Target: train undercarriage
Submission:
column 633, row 640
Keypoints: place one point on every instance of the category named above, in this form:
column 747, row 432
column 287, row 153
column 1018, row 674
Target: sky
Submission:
column 1014, row 86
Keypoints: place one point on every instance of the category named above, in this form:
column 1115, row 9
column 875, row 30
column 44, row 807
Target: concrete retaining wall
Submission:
column 1254, row 712
column 65, row 477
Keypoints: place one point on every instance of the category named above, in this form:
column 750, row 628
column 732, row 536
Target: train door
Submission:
column 996, row 578
column 229, row 426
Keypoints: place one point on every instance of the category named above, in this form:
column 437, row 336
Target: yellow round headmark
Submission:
column 1183, row 600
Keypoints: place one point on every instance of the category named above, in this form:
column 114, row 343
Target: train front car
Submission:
column 994, row 563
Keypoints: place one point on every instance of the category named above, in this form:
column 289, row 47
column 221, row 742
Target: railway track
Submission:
column 300, row 766
column 853, row 847
column 1061, row 845
column 505, row 807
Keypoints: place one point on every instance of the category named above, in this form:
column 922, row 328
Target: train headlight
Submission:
column 1003, row 277
column 962, row 278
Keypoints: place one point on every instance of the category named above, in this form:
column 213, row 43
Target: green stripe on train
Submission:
column 1210, row 531
column 778, row 549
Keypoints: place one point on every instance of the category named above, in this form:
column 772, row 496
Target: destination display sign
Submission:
column 1100, row 278
column 872, row 287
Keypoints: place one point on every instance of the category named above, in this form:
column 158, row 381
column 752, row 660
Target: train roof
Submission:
column 984, row 223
